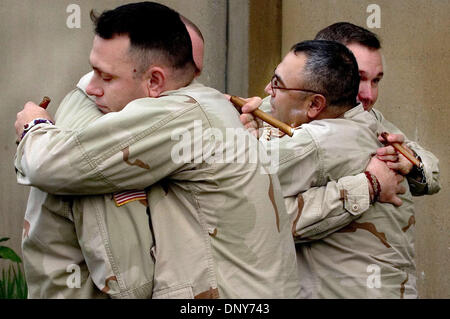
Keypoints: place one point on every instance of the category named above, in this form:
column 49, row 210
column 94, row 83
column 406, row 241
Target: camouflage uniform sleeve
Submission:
column 430, row 162
column 130, row 149
column 329, row 207
column 63, row 104
column 316, row 210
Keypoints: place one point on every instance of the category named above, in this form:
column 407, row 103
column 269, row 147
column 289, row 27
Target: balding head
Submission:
column 198, row 43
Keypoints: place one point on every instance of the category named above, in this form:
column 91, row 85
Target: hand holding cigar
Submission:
column 29, row 113
column 237, row 101
column 45, row 102
column 402, row 150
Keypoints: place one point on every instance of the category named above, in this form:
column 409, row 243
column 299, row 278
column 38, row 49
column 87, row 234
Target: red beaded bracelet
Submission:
column 375, row 185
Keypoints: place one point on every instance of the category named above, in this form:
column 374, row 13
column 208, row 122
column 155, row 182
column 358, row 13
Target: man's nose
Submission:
column 94, row 89
column 268, row 89
column 365, row 92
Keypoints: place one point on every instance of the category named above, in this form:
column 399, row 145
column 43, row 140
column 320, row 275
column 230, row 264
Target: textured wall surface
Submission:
column 414, row 95
column 265, row 43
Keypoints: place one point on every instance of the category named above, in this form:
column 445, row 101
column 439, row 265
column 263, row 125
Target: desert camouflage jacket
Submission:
column 219, row 221
column 337, row 211
column 73, row 246
column 373, row 254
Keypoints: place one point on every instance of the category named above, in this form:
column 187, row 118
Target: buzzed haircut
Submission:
column 330, row 69
column 152, row 28
column 347, row 33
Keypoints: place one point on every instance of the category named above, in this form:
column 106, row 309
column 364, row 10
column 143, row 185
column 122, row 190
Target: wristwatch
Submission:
column 417, row 173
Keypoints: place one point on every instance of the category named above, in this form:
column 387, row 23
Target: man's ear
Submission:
column 155, row 81
column 317, row 104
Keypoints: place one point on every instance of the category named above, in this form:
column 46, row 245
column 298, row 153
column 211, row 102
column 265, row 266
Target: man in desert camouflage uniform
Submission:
column 366, row 47
column 220, row 226
column 327, row 201
column 373, row 255
column 60, row 265
column 121, row 268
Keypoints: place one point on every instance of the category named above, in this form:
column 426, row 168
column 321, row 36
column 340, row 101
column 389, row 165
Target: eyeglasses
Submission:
column 274, row 85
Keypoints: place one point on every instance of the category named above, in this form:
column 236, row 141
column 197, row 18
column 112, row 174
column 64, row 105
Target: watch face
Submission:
column 418, row 174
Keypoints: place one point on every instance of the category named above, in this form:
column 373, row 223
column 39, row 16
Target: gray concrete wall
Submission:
column 238, row 47
column 40, row 55
column 414, row 95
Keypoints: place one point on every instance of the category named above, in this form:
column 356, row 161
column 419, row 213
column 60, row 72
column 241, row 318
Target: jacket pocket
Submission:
column 181, row 291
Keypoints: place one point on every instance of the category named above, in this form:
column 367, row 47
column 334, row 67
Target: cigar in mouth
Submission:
column 237, row 101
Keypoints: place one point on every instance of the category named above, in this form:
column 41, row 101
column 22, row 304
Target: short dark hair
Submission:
column 152, row 28
column 330, row 69
column 346, row 33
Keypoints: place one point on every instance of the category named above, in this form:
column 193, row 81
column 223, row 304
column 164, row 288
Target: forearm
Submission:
column 52, row 160
column 323, row 210
column 130, row 149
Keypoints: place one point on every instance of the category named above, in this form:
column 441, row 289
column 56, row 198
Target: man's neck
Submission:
column 332, row 112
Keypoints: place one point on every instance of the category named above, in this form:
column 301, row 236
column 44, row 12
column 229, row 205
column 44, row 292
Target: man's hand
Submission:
column 389, row 182
column 250, row 122
column 30, row 112
column 393, row 159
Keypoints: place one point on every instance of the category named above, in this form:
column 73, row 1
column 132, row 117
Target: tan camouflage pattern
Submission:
column 373, row 255
column 221, row 228
column 87, row 231
column 429, row 160
column 326, row 202
column 116, row 242
column 49, row 247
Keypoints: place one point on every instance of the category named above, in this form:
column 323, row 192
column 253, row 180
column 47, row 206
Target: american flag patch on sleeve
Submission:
column 121, row 198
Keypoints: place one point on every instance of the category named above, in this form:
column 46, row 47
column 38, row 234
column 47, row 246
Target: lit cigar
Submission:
column 402, row 150
column 45, row 101
column 237, row 101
